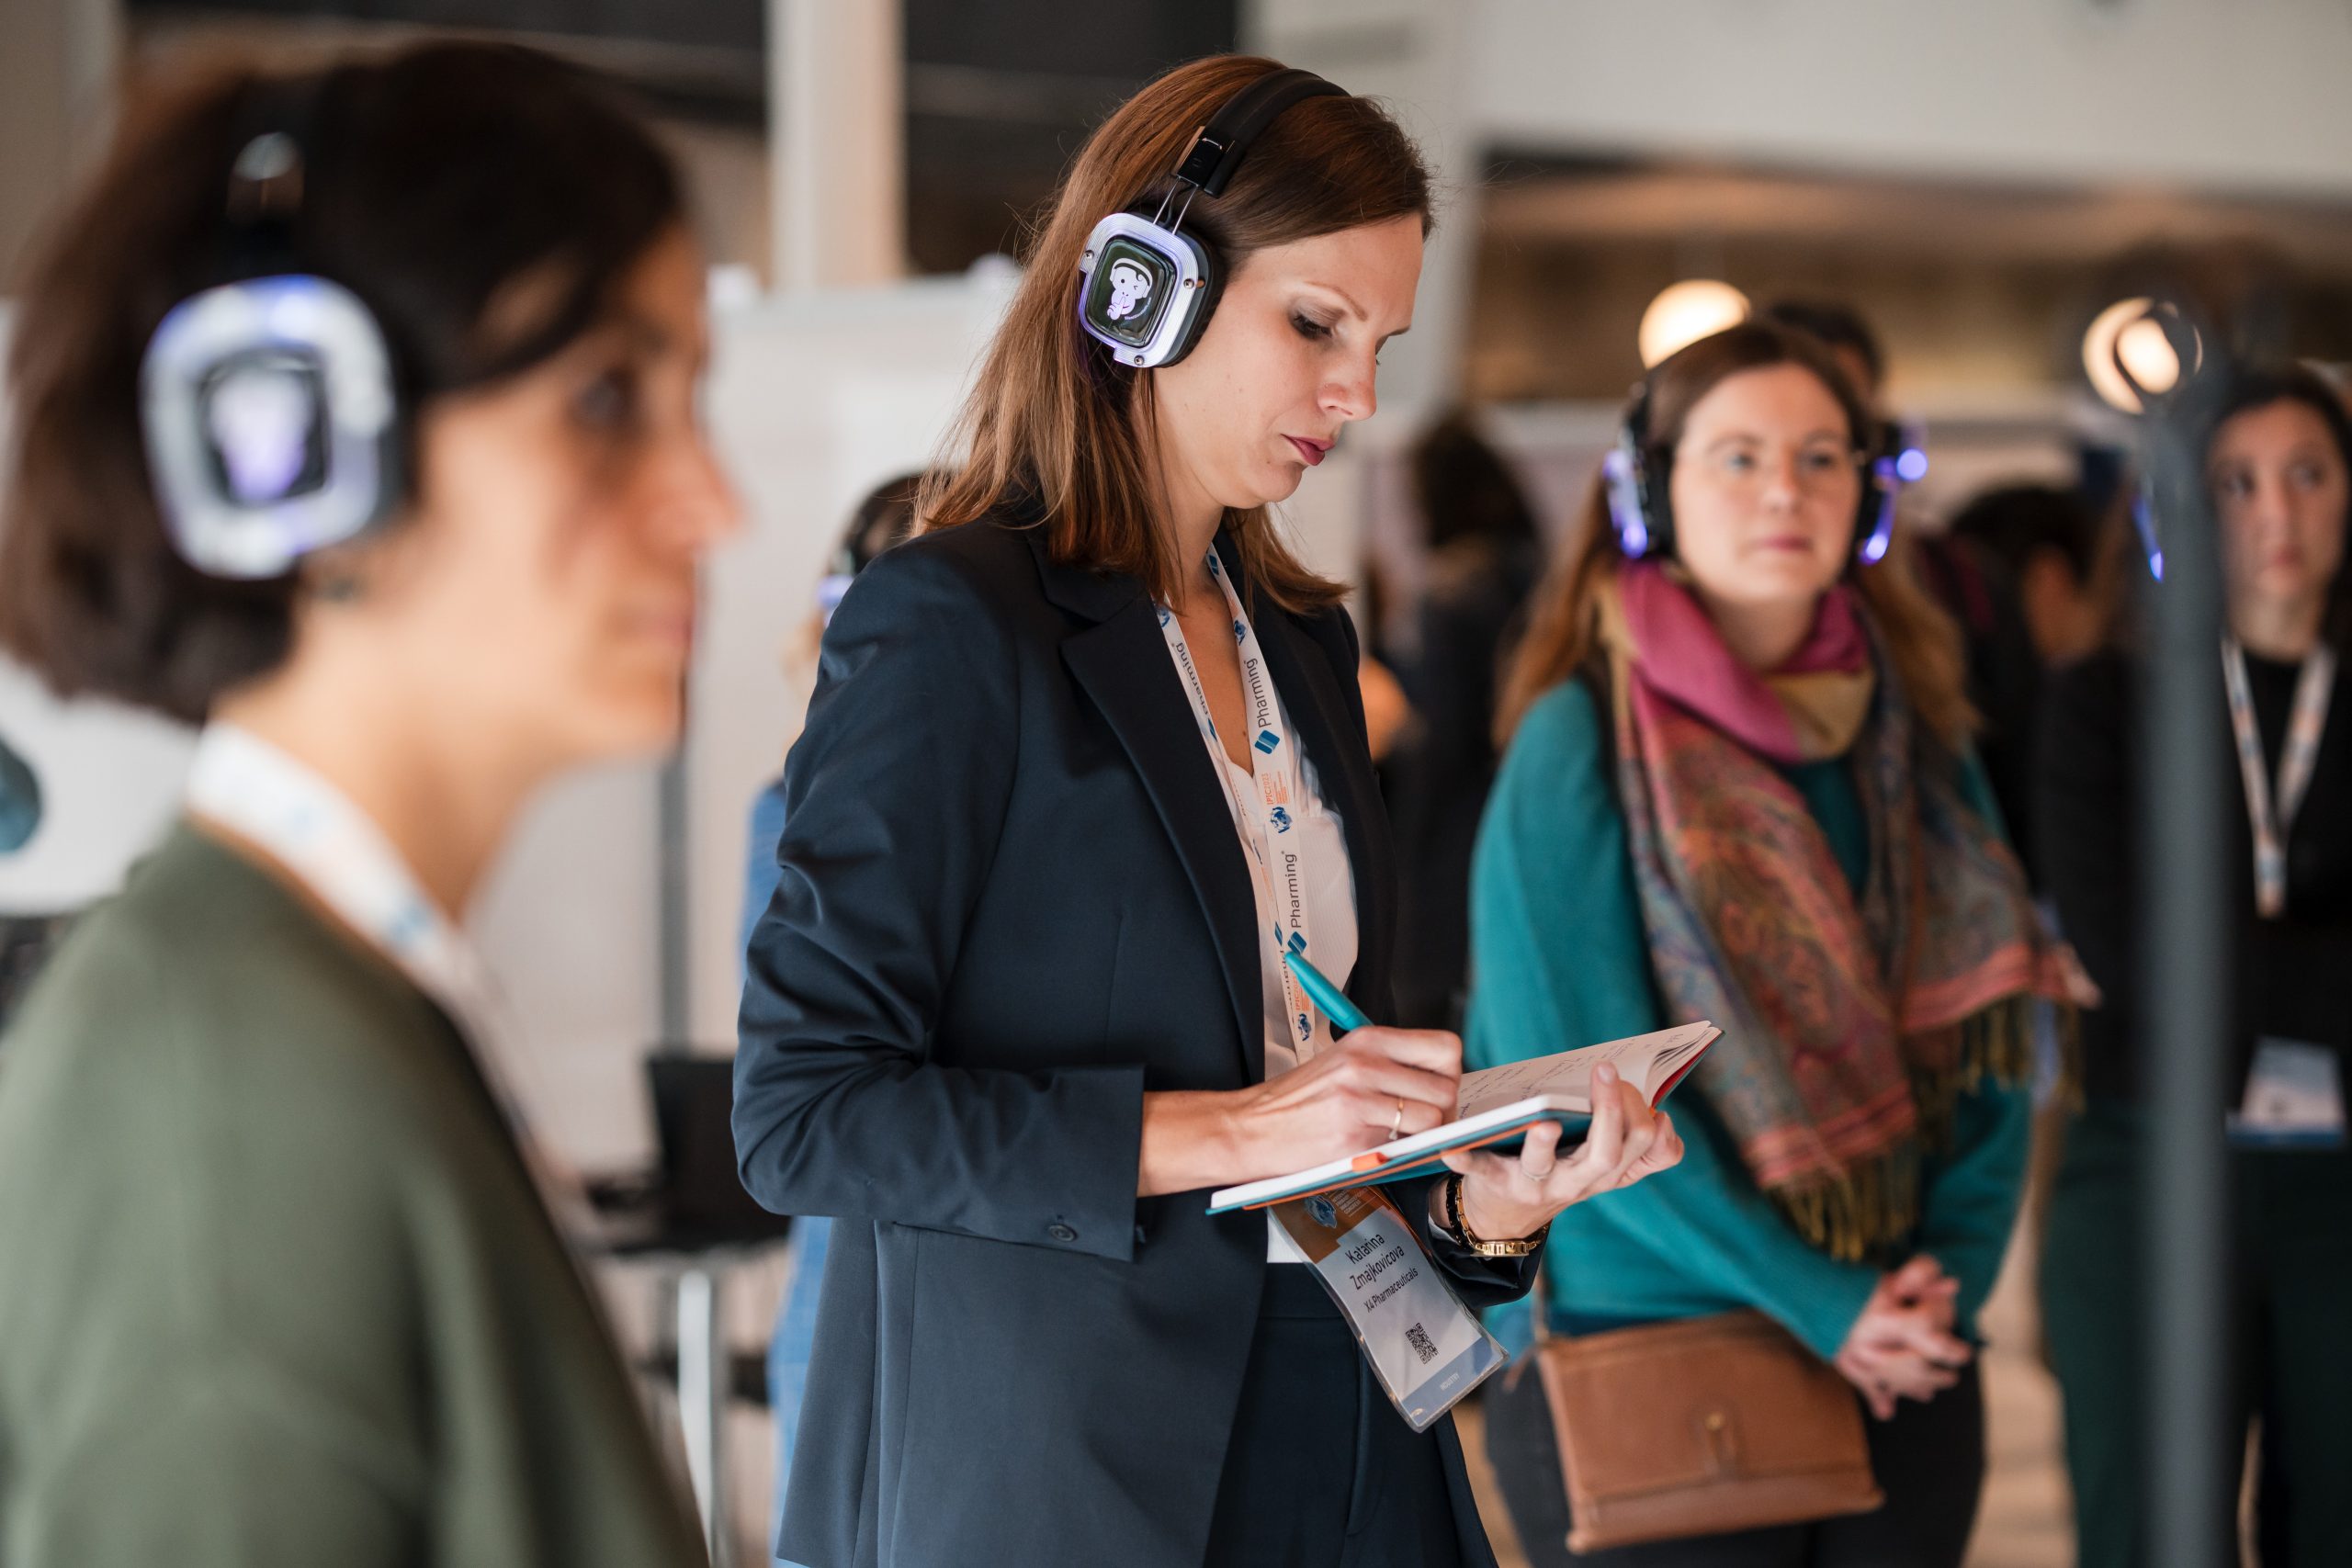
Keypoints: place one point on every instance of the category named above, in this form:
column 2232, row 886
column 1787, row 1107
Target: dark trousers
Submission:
column 2291, row 1268
column 1930, row 1461
column 1322, row 1471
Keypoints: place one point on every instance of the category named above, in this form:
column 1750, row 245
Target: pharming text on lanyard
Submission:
column 1275, row 858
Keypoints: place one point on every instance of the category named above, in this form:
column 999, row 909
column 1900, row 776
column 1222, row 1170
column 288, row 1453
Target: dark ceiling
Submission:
column 999, row 93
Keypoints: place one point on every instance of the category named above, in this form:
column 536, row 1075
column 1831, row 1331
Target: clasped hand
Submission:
column 1902, row 1346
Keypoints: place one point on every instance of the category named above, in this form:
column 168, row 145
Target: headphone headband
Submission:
column 1208, row 165
column 270, row 175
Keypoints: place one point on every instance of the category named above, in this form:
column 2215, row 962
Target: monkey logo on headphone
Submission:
column 1130, row 289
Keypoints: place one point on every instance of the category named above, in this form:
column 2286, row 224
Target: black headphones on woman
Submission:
column 1146, row 288
column 1640, row 508
column 273, row 425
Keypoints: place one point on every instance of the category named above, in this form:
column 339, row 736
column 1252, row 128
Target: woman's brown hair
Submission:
column 1563, row 631
column 1052, row 426
column 485, row 201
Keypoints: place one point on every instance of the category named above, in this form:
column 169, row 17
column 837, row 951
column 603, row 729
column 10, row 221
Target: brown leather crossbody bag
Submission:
column 1696, row 1428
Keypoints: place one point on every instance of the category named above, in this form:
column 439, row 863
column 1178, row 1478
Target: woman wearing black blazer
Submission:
column 1006, row 1014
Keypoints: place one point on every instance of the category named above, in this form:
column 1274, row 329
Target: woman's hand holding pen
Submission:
column 1507, row 1196
column 1371, row 1086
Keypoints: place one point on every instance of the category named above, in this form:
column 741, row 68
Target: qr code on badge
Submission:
column 1418, row 1336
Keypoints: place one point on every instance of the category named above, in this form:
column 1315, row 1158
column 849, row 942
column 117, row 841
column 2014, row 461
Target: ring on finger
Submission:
column 1397, row 1123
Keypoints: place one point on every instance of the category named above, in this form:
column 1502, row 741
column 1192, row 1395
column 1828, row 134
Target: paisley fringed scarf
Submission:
column 1850, row 1024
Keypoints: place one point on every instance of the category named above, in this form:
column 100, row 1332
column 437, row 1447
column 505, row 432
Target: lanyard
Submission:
column 1264, row 824
column 2314, row 687
column 243, row 783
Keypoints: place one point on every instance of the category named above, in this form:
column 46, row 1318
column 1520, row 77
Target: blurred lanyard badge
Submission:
column 1427, row 1348
column 2274, row 817
column 2294, row 1099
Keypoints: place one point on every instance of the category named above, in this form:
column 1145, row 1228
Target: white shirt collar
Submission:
column 255, row 791
column 266, row 797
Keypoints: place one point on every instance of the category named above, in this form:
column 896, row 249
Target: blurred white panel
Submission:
column 110, row 782
column 815, row 399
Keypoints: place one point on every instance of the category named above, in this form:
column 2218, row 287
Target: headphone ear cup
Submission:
column 1143, row 287
column 1657, row 504
column 272, row 423
column 1874, row 518
column 1199, row 303
column 1637, row 502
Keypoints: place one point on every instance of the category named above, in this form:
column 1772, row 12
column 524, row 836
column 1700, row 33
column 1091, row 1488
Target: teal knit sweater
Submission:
column 1559, row 960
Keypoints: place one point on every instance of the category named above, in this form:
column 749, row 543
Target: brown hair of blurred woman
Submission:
column 1563, row 624
column 1054, row 425
column 484, row 236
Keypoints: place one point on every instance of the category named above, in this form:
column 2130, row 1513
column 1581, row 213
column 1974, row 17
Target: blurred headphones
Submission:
column 273, row 426
column 1639, row 508
column 1146, row 288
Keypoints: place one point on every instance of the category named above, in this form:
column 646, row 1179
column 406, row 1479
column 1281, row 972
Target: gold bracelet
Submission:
column 1459, row 1224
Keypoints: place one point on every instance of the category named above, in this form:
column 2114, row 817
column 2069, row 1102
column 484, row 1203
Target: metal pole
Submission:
column 2190, row 1504
column 673, row 912
column 702, row 1403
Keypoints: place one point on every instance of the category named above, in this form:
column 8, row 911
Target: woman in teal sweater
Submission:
column 1737, row 788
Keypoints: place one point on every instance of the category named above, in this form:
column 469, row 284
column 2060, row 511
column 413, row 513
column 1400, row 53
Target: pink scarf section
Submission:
column 1683, row 660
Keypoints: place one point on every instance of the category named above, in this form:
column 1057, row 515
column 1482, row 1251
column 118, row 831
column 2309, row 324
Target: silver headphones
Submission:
column 272, row 422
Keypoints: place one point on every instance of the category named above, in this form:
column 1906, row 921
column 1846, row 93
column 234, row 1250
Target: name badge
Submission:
column 1427, row 1348
column 2294, row 1099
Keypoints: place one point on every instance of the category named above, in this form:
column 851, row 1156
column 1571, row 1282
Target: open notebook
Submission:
column 1497, row 1105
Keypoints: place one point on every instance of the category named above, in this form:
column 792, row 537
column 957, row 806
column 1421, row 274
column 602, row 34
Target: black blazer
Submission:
column 1012, row 901
column 2286, row 976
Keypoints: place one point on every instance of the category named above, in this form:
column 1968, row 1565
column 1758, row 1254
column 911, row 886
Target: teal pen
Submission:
column 1343, row 1013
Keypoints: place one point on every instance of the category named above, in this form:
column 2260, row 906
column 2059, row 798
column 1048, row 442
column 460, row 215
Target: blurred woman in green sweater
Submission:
column 357, row 425
column 1738, row 787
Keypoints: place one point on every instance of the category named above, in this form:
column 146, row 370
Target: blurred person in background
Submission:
column 1484, row 555
column 2035, row 548
column 2278, row 462
column 2049, row 543
column 1739, row 787
column 884, row 517
column 1852, row 343
column 358, row 426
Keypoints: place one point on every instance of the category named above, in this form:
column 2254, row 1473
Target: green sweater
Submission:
column 1559, row 959
column 274, row 1286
